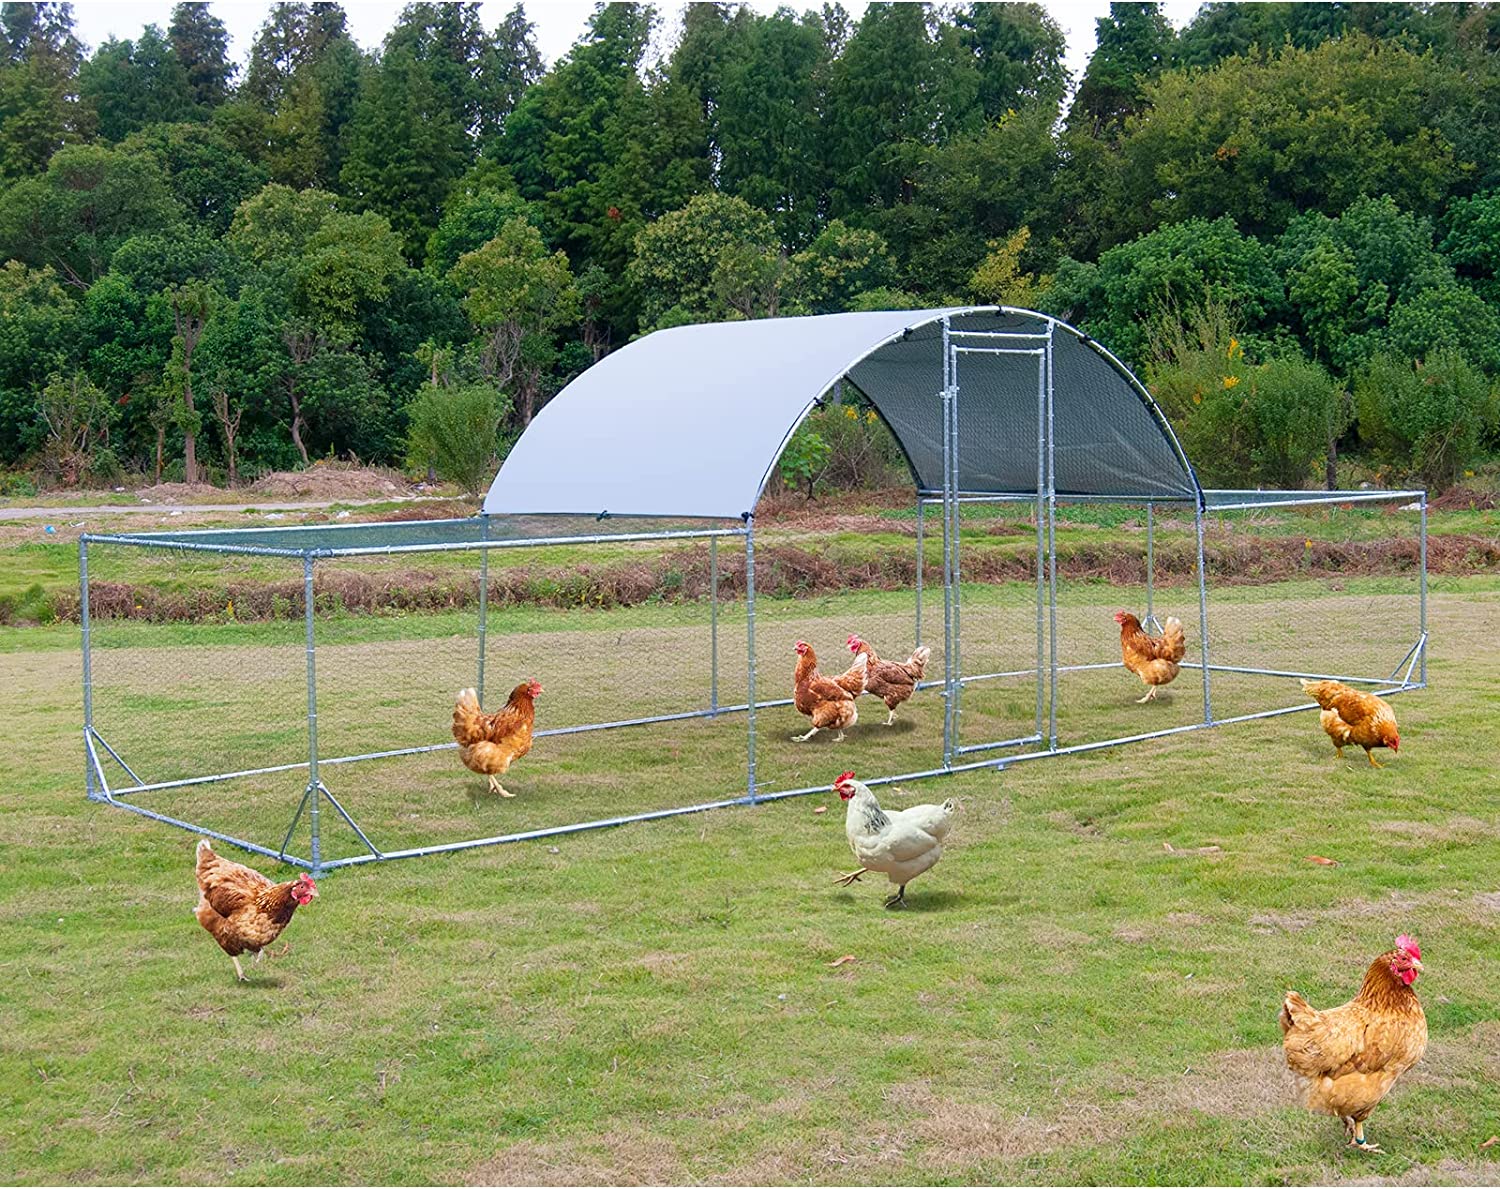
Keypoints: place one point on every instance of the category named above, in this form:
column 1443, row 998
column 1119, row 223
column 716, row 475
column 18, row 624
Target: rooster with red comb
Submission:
column 1349, row 1057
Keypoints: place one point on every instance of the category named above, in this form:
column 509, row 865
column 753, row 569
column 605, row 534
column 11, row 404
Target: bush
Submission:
column 1426, row 421
column 1242, row 424
column 844, row 446
column 456, row 432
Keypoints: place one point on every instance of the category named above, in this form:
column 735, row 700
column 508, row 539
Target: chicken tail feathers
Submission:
column 1173, row 643
column 917, row 664
column 1295, row 1010
column 468, row 725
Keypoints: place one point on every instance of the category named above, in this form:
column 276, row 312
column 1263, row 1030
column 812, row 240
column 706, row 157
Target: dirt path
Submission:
column 73, row 512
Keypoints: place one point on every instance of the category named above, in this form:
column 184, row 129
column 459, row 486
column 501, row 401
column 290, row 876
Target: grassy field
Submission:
column 1064, row 999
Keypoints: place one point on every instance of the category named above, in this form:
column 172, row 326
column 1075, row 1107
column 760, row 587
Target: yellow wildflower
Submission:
column 870, row 417
column 1307, row 544
column 1231, row 381
column 1234, row 348
column 1198, row 397
column 851, row 412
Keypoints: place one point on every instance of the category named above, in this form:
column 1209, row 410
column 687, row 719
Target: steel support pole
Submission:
column 950, row 685
column 713, row 625
column 750, row 654
column 484, row 608
column 921, row 565
column 1051, row 549
column 1041, row 542
column 314, row 787
column 1422, row 606
column 1208, row 706
column 92, row 786
column 1150, row 564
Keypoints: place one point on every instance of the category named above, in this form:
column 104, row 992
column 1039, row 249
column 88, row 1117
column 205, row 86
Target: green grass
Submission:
column 1064, row 1000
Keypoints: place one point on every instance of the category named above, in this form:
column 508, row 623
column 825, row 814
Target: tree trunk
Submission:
column 161, row 445
column 1331, row 473
column 298, row 425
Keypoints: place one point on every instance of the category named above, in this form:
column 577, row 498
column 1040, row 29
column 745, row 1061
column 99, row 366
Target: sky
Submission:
column 558, row 22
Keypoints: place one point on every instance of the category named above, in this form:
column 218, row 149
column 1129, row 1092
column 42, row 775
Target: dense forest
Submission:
column 1285, row 215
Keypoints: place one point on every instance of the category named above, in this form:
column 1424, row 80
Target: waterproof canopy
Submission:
column 691, row 421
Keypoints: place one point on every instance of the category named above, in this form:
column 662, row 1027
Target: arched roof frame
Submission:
column 691, row 421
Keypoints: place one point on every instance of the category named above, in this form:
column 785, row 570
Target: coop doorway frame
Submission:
column 954, row 493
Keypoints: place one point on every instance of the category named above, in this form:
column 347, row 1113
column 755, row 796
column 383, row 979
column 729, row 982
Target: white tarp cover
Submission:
column 690, row 421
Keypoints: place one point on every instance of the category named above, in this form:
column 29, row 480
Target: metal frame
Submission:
column 1042, row 740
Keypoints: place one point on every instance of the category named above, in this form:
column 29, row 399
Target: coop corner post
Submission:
column 713, row 626
column 314, row 794
column 484, row 605
column 750, row 654
column 1150, row 565
column 950, row 687
column 94, row 792
column 1422, row 605
column 1208, row 706
column 1051, row 548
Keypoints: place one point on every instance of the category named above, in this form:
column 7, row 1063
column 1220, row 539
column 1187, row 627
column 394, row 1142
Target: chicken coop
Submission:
column 289, row 690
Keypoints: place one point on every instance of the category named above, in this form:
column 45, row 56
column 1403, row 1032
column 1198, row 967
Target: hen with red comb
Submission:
column 1349, row 1057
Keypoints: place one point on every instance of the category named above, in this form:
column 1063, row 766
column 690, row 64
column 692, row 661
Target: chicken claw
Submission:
column 1374, row 763
column 1150, row 696
column 238, row 970
column 497, row 787
column 898, row 899
column 845, row 880
column 806, row 737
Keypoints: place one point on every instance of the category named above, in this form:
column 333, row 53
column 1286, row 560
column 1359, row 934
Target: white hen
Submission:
column 901, row 843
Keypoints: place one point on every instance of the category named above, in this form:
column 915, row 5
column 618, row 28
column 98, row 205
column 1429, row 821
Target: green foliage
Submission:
column 39, row 106
column 1176, row 267
column 677, row 258
column 75, row 418
column 1426, row 421
column 206, row 173
column 456, row 432
column 90, row 200
column 1471, row 242
column 201, row 45
column 130, row 84
column 1370, row 280
column 470, row 220
column 840, row 264
column 1244, row 424
column 804, row 458
column 1262, row 139
column 1134, row 45
column 38, row 326
column 999, row 279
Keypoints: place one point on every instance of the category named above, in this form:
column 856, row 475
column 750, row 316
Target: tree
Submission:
column 1471, row 242
column 766, row 109
column 90, row 200
column 38, row 334
column 201, row 45
column 1263, row 140
column 1370, row 280
column 1174, row 268
column 39, row 62
column 1426, row 418
column 511, row 64
column 1132, row 46
column 455, row 432
column 677, row 258
column 191, row 305
column 1018, row 52
column 130, row 84
column 471, row 219
column 209, row 176
column 999, row 279
column 841, row 263
column 516, row 296
column 76, row 414
column 904, row 81
column 228, row 416
column 407, row 147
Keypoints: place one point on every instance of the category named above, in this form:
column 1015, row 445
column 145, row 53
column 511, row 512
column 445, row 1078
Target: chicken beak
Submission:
column 1416, row 964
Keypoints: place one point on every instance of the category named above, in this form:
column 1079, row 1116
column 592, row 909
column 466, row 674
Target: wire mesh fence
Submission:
column 214, row 700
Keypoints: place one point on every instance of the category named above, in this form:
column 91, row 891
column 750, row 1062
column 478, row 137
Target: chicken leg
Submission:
column 238, row 970
column 1374, row 763
column 806, row 737
column 898, row 898
column 845, row 880
column 1150, row 696
column 1355, row 1128
column 497, row 787
column 890, row 718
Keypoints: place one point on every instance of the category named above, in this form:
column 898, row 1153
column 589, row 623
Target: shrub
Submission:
column 1242, row 424
column 456, row 432
column 1426, row 421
